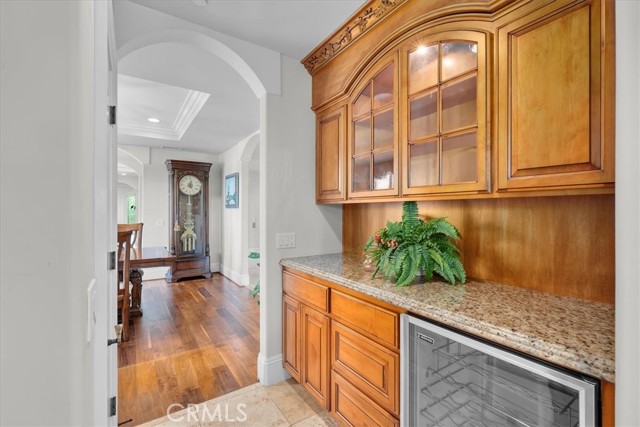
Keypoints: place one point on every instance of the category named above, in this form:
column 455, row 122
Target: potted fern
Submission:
column 412, row 246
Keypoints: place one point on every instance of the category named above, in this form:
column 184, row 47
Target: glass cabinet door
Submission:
column 373, row 145
column 444, row 141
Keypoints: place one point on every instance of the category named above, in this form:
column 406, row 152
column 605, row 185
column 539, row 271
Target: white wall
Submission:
column 233, row 256
column 253, row 205
column 47, row 255
column 627, row 213
column 154, row 205
column 287, row 175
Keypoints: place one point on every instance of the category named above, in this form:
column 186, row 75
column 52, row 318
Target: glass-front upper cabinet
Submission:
column 444, row 113
column 373, row 147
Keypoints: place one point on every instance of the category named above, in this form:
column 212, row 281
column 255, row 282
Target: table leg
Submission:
column 135, row 276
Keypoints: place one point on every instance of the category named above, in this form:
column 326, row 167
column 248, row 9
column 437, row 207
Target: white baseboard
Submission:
column 154, row 273
column 215, row 268
column 270, row 370
column 240, row 279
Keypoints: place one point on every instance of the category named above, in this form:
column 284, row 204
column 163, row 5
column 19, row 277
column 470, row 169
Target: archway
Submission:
column 203, row 42
column 253, row 146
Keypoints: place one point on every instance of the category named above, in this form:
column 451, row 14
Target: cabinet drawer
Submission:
column 306, row 291
column 373, row 321
column 351, row 408
column 367, row 365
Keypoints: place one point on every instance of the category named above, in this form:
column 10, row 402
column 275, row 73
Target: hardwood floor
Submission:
column 197, row 340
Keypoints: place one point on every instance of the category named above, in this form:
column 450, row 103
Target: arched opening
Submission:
column 154, row 175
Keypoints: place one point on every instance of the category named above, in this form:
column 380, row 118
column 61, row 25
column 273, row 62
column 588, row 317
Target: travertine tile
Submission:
column 253, row 408
column 293, row 401
column 317, row 421
column 280, row 405
column 183, row 418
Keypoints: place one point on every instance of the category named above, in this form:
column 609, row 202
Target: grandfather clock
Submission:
column 188, row 219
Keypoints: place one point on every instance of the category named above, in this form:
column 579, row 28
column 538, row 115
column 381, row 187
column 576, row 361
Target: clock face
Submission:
column 190, row 185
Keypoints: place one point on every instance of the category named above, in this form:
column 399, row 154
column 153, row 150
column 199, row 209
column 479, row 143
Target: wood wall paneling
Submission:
column 562, row 245
column 608, row 403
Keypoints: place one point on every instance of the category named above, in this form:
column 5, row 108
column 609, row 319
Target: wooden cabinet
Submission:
column 315, row 351
column 352, row 408
column 444, row 113
column 371, row 320
column 305, row 334
column 555, row 105
column 372, row 140
column 484, row 99
column 367, row 365
column 331, row 155
column 343, row 348
column 291, row 337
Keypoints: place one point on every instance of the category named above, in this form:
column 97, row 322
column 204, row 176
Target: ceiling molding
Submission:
column 191, row 106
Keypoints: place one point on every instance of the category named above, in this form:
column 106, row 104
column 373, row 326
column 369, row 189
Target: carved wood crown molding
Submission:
column 359, row 24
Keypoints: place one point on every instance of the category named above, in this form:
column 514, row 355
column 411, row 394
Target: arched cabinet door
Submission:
column 373, row 132
column 443, row 109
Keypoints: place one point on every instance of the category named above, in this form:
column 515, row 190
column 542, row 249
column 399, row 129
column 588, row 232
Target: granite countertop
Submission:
column 569, row 332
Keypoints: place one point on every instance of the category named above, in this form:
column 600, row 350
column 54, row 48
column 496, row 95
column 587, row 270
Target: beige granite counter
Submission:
column 569, row 332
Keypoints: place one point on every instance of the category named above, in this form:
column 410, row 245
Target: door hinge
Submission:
column 111, row 257
column 111, row 113
column 113, row 406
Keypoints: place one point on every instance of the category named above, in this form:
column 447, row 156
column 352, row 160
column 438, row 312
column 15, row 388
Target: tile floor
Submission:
column 283, row 405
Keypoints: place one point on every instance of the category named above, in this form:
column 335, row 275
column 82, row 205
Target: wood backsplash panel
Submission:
column 362, row 220
column 562, row 245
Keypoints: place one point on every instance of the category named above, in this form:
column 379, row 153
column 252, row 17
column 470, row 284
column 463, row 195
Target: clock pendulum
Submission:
column 189, row 237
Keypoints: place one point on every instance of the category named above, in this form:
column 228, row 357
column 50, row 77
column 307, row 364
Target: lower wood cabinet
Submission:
column 305, row 335
column 315, row 354
column 367, row 365
column 347, row 354
column 291, row 338
column 350, row 407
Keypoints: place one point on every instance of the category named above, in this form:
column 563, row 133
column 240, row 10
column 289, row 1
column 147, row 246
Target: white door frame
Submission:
column 112, row 194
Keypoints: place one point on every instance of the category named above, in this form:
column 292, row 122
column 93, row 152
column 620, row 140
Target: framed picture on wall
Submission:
column 231, row 191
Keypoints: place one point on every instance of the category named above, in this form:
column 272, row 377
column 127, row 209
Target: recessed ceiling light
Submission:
column 153, row 120
column 123, row 174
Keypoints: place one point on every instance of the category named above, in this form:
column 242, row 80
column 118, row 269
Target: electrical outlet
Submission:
column 285, row 240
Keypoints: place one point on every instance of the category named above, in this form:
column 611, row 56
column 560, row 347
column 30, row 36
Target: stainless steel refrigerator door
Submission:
column 450, row 379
